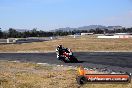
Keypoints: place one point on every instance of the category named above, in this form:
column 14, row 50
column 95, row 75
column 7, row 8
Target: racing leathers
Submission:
column 59, row 51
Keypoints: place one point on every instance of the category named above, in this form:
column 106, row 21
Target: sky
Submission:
column 53, row 14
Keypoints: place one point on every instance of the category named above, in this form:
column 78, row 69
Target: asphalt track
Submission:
column 116, row 61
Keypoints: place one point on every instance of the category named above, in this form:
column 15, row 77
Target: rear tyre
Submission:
column 63, row 60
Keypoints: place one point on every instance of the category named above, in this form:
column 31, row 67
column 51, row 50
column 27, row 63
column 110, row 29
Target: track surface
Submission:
column 117, row 61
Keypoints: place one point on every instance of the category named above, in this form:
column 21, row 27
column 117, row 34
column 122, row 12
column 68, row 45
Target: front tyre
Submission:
column 73, row 59
column 63, row 59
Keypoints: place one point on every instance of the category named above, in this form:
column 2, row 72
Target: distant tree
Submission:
column 124, row 30
column 12, row 33
column 106, row 31
column 99, row 31
column 1, row 34
column 5, row 35
column 41, row 33
column 92, row 31
column 34, row 32
column 129, row 30
column 27, row 34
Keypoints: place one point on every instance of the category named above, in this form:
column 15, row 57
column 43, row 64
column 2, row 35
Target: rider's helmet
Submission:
column 59, row 46
column 66, row 48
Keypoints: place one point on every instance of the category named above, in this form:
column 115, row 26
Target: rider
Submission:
column 59, row 51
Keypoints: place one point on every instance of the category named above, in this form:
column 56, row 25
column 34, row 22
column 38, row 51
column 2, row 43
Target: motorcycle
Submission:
column 67, row 56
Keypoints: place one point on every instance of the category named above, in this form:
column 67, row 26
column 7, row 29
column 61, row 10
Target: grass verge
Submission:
column 32, row 75
column 83, row 43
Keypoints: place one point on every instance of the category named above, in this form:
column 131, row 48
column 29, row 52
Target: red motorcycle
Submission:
column 67, row 56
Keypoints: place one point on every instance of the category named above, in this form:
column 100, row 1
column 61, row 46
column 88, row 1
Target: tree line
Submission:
column 12, row 33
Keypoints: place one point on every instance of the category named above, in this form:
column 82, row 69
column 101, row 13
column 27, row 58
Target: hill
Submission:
column 87, row 28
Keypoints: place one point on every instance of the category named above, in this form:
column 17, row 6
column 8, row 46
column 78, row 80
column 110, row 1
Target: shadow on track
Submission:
column 76, row 62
